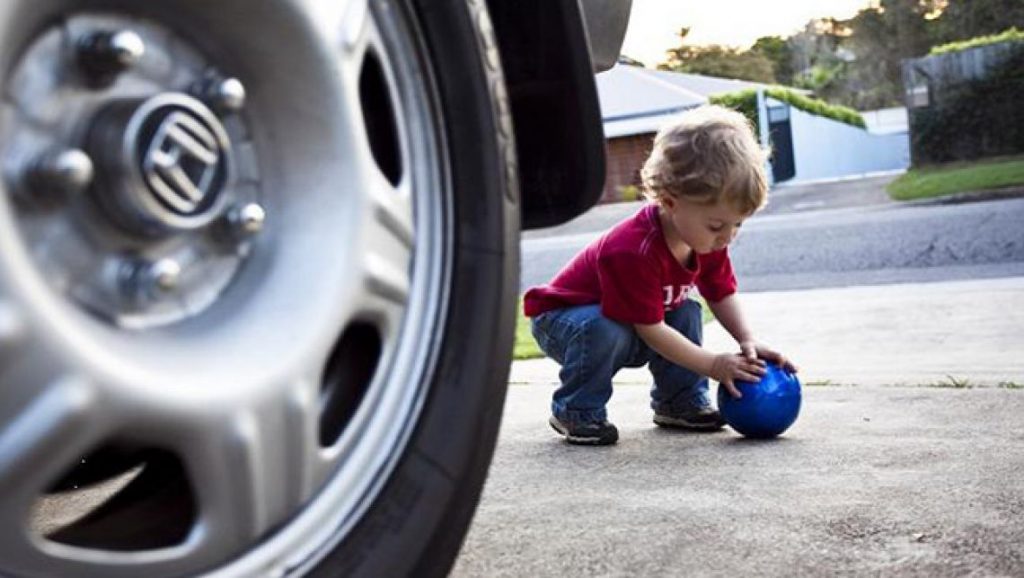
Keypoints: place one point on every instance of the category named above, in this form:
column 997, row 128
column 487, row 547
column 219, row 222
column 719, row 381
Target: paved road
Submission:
column 871, row 481
column 784, row 198
column 875, row 244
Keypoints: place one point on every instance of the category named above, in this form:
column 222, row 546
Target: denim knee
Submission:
column 677, row 387
column 591, row 349
column 687, row 319
column 597, row 335
column 609, row 340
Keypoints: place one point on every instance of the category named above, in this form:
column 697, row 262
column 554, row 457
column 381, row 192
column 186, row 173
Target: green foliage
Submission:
column 965, row 19
column 880, row 38
column 525, row 346
column 855, row 62
column 952, row 382
column 746, row 103
column 719, row 61
column 821, row 78
column 941, row 180
column 817, row 107
column 778, row 51
column 972, row 119
column 629, row 193
column 1009, row 35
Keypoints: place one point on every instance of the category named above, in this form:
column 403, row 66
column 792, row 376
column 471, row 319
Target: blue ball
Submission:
column 767, row 407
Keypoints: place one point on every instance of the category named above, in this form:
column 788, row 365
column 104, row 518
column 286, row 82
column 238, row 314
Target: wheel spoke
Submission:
column 387, row 281
column 393, row 211
column 46, row 435
column 390, row 245
column 344, row 20
column 254, row 468
column 36, row 447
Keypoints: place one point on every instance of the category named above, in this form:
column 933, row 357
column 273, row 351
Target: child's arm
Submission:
column 724, row 367
column 730, row 315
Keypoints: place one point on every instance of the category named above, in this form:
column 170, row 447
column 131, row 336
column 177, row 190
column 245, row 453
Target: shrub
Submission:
column 629, row 193
column 746, row 103
column 972, row 118
column 1009, row 35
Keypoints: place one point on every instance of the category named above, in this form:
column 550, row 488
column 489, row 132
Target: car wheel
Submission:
column 258, row 272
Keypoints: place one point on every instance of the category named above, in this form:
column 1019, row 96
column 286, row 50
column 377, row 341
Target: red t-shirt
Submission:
column 632, row 273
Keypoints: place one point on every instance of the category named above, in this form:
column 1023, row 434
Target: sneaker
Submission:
column 601, row 433
column 695, row 419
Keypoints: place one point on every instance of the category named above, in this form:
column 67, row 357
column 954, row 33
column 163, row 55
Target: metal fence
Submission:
column 961, row 103
column 925, row 78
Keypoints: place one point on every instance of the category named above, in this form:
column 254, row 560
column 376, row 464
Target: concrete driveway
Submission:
column 907, row 458
column 870, row 481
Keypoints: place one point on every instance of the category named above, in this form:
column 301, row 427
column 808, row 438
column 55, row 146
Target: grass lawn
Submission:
column 939, row 180
column 526, row 347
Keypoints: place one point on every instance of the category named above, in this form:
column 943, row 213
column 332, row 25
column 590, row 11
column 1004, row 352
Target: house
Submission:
column 636, row 101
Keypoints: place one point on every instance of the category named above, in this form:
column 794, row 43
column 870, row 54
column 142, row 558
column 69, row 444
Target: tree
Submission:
column 966, row 19
column 717, row 60
column 816, row 45
column 857, row 62
column 881, row 37
column 779, row 52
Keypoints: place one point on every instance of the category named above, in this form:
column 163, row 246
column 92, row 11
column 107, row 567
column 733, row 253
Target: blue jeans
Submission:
column 592, row 348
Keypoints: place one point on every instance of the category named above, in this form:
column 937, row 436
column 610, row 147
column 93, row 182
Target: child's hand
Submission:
column 729, row 367
column 754, row 350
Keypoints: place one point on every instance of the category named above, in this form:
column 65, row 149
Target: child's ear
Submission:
column 667, row 202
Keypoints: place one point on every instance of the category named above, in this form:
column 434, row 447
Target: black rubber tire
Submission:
column 416, row 525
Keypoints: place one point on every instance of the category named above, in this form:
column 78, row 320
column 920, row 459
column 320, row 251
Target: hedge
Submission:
column 746, row 102
column 972, row 119
column 1009, row 35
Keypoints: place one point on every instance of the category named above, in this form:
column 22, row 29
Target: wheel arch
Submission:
column 549, row 70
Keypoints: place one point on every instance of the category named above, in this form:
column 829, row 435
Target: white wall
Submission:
column 886, row 120
column 826, row 149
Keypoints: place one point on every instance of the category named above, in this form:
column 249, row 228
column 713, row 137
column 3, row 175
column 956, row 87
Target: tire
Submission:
column 290, row 356
column 418, row 524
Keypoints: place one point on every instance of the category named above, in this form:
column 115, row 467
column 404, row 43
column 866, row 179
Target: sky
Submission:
column 654, row 24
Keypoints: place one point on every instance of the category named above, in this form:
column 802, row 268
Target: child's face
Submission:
column 705, row 228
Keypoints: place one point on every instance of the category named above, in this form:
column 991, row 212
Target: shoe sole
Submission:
column 676, row 423
column 578, row 440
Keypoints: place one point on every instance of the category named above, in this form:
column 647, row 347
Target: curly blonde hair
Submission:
column 706, row 155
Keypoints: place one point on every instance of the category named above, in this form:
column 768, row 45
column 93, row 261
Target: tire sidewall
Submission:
column 416, row 524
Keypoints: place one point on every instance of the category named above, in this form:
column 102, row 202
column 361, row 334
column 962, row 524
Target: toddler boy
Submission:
column 622, row 301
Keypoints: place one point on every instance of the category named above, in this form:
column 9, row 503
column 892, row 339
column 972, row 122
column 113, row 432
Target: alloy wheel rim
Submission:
column 265, row 352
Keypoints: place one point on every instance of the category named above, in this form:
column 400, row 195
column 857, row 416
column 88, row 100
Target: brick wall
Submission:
column 625, row 157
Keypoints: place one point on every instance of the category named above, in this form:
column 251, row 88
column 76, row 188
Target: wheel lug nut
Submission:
column 106, row 54
column 163, row 276
column 60, row 173
column 149, row 280
column 247, row 220
column 225, row 94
